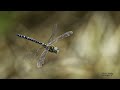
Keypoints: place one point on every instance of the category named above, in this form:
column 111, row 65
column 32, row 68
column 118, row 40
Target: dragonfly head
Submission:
column 56, row 50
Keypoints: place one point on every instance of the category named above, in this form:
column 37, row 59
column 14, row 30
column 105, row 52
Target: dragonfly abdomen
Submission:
column 31, row 39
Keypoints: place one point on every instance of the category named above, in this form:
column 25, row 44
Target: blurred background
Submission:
column 91, row 52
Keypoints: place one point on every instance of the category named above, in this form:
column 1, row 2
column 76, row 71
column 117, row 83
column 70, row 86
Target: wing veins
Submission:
column 67, row 34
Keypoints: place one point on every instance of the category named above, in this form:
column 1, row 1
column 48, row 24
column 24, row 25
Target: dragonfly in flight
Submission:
column 49, row 47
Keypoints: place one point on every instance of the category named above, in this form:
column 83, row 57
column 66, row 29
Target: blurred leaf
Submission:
column 6, row 21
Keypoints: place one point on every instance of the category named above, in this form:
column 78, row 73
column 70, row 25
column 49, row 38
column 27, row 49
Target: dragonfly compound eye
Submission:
column 56, row 49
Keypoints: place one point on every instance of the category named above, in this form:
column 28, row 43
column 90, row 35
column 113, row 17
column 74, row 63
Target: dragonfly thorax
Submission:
column 53, row 49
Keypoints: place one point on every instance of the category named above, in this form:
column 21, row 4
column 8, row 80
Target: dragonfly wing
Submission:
column 54, row 32
column 42, row 58
column 67, row 34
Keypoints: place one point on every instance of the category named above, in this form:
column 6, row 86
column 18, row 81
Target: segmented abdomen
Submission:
column 31, row 39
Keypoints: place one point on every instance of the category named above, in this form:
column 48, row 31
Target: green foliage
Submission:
column 6, row 21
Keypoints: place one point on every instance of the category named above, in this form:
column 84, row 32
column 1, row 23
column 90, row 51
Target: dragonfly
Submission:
column 48, row 47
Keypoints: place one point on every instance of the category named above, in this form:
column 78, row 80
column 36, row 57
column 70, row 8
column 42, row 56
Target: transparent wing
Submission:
column 67, row 34
column 42, row 58
column 54, row 32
